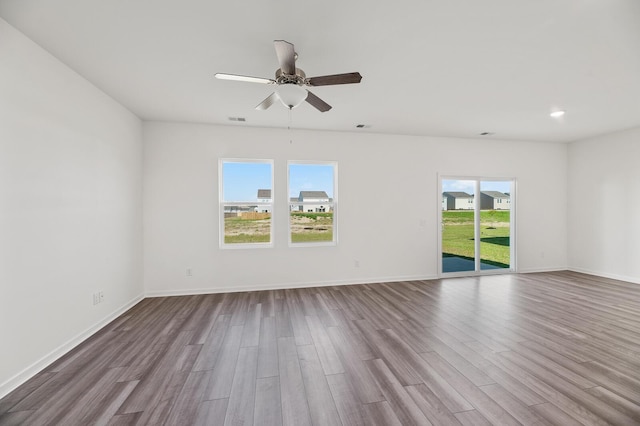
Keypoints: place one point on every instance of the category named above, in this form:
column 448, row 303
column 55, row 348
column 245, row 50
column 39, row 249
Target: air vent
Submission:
column 363, row 126
column 237, row 119
column 487, row 134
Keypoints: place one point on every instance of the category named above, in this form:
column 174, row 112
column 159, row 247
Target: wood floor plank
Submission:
column 299, row 323
column 626, row 385
column 118, row 393
column 15, row 418
column 268, row 348
column 92, row 399
column 283, row 319
column 25, row 390
column 147, row 393
column 553, row 367
column 353, row 335
column 240, row 308
column 326, row 352
column 212, row 343
column 350, row 409
column 251, row 332
column 221, row 378
column 325, row 313
column 515, row 387
column 363, row 384
column 630, row 407
column 483, row 404
column 400, row 365
column 472, row 418
column 564, row 402
column 268, row 409
column 242, row 398
column 321, row 405
column 542, row 348
column 461, row 362
column 518, row 410
column 605, row 411
column 125, row 419
column 380, row 414
column 554, row 415
column 211, row 412
column 431, row 406
column 188, row 401
column 295, row 409
column 63, row 399
column 401, row 402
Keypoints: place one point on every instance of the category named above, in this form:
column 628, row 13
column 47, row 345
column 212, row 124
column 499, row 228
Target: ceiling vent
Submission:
column 363, row 126
column 237, row 119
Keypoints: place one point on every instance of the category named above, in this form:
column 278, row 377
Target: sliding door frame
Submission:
column 476, row 217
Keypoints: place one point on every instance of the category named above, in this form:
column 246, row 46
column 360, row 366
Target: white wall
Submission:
column 70, row 207
column 391, row 242
column 604, row 206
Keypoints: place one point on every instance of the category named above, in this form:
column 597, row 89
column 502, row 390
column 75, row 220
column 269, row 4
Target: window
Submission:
column 480, row 239
column 313, row 201
column 246, row 203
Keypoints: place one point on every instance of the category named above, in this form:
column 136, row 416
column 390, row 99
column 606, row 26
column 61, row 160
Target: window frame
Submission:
column 333, row 204
column 513, row 256
column 222, row 203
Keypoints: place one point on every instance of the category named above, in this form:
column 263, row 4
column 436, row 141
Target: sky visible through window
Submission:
column 468, row 186
column 310, row 177
column 241, row 181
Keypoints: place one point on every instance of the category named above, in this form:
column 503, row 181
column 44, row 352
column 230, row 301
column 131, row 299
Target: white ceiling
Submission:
column 429, row 67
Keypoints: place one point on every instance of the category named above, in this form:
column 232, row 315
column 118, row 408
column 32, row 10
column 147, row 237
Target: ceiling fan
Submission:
column 290, row 81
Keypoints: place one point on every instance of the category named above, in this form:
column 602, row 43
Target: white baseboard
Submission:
column 46, row 360
column 236, row 289
column 534, row 270
column 629, row 279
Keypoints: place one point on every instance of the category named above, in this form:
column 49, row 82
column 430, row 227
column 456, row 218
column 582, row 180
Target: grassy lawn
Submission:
column 305, row 228
column 311, row 227
column 241, row 231
column 458, row 236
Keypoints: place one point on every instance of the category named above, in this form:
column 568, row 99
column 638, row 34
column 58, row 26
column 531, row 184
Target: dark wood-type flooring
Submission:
column 534, row 349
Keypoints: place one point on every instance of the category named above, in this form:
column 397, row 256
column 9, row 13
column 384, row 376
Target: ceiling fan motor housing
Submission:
column 299, row 78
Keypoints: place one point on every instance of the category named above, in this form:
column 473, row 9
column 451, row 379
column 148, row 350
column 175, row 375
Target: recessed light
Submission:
column 557, row 114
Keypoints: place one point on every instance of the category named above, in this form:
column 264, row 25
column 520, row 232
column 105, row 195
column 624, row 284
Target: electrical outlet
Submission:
column 189, row 272
column 356, row 263
column 98, row 297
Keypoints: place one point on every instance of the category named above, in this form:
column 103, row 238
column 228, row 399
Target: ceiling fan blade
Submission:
column 268, row 102
column 286, row 56
column 318, row 103
column 245, row 78
column 327, row 80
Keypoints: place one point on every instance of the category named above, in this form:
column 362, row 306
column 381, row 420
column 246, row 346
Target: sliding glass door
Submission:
column 476, row 225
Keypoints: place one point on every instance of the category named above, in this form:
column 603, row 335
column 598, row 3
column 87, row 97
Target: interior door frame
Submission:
column 512, row 226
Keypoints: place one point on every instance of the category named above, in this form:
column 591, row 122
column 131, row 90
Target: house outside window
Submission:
column 313, row 203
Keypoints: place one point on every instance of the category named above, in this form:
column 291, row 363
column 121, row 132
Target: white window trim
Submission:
column 222, row 204
column 333, row 204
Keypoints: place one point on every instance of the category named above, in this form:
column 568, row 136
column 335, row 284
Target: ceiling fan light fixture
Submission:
column 291, row 95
